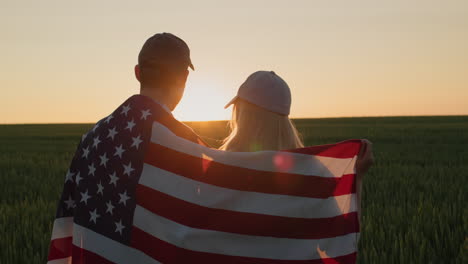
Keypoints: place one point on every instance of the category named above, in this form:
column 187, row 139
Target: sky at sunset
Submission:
column 72, row 61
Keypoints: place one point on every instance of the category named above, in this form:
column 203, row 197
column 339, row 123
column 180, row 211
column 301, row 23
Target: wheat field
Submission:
column 414, row 200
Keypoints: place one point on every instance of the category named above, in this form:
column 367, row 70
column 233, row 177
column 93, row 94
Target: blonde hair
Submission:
column 254, row 128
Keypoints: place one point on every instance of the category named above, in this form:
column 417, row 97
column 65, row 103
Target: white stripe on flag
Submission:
column 63, row 227
column 262, row 160
column 241, row 245
column 60, row 261
column 108, row 248
column 242, row 201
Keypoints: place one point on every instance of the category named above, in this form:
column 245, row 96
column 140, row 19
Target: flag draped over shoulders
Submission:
column 143, row 188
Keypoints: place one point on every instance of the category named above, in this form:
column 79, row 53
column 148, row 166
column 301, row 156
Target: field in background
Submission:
column 414, row 205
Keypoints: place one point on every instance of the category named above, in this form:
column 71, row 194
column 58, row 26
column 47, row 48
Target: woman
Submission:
column 260, row 121
column 260, row 116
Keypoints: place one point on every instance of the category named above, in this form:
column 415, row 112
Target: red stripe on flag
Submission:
column 81, row 255
column 202, row 217
column 343, row 150
column 60, row 248
column 244, row 179
column 168, row 253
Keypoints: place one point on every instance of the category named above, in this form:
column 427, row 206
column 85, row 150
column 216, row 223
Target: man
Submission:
column 99, row 191
column 162, row 69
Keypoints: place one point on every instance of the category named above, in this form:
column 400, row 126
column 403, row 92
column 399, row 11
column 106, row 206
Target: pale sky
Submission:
column 72, row 61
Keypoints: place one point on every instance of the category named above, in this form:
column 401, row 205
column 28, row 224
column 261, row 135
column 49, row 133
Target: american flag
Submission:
column 143, row 188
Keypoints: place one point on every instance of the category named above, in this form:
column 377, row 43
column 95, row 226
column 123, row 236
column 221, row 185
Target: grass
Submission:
column 414, row 204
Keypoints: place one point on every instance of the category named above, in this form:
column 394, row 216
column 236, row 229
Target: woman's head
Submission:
column 267, row 90
column 260, row 116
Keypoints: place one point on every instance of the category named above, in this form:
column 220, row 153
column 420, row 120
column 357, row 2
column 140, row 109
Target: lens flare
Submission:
column 283, row 162
column 255, row 147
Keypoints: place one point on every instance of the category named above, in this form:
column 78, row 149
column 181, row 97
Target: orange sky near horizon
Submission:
column 72, row 61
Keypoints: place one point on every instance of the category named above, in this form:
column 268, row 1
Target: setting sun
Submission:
column 203, row 101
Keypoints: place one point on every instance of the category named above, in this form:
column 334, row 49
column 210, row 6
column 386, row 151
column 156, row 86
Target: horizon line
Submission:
column 225, row 120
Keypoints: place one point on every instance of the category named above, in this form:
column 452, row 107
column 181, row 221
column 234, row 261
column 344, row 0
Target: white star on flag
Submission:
column 85, row 152
column 83, row 137
column 145, row 114
column 123, row 198
column 136, row 142
column 78, row 178
column 93, row 215
column 119, row 227
column 125, row 109
column 104, row 159
column 85, row 197
column 96, row 142
column 112, row 133
column 113, row 179
column 69, row 176
column 100, row 188
column 119, row 151
column 128, row 169
column 110, row 207
column 108, row 119
column 91, row 169
column 95, row 127
column 70, row 203
column 130, row 125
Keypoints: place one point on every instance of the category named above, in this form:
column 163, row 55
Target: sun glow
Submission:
column 203, row 101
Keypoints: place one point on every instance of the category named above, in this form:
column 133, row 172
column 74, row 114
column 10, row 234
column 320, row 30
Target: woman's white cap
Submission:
column 267, row 90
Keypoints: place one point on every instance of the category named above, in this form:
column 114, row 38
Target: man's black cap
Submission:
column 165, row 50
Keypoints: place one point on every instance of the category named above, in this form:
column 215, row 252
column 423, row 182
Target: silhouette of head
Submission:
column 163, row 67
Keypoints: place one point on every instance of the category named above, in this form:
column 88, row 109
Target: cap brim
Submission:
column 191, row 66
column 231, row 102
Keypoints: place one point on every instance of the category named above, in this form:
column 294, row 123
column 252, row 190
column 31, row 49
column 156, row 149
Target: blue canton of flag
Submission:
column 100, row 185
